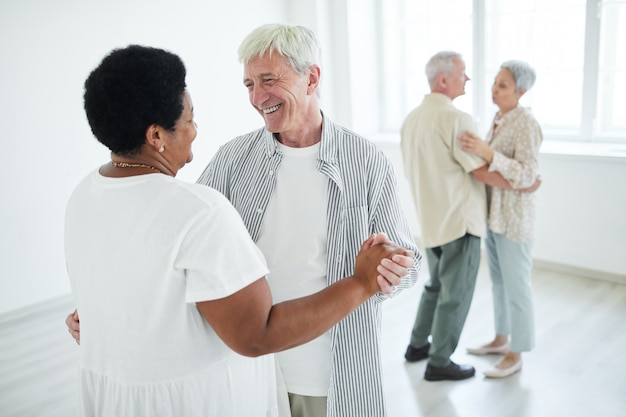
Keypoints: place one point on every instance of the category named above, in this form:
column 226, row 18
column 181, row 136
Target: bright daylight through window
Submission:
column 578, row 48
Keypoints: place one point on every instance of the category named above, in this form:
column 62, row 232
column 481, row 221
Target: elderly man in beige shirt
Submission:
column 449, row 194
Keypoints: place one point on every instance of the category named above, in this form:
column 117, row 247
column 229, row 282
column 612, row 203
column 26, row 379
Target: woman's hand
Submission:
column 471, row 143
column 251, row 324
column 73, row 325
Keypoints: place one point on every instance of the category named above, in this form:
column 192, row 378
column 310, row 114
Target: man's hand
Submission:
column 73, row 325
column 391, row 262
column 533, row 187
column 381, row 264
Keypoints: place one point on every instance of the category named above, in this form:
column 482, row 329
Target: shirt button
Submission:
column 259, row 211
column 271, row 173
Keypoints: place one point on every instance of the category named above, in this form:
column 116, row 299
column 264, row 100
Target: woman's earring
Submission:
column 161, row 149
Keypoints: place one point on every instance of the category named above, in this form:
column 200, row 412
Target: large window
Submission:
column 578, row 48
column 611, row 99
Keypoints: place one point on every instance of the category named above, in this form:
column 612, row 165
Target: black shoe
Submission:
column 452, row 372
column 416, row 354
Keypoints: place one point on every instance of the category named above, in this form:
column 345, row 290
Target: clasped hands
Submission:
column 382, row 263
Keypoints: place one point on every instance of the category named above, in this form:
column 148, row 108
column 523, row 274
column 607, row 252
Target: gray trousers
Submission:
column 510, row 268
column 447, row 296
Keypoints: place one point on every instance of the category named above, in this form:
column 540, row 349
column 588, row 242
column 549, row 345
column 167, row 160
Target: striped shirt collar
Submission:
column 328, row 142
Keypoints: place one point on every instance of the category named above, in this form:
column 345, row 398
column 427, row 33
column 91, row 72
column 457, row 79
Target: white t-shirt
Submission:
column 140, row 252
column 293, row 240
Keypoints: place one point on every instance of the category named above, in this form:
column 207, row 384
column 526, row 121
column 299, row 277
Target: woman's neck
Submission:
column 505, row 110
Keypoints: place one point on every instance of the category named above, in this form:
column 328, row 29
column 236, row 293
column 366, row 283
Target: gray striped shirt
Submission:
column 363, row 199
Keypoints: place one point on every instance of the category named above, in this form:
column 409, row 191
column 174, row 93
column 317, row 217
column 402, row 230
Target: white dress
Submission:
column 140, row 252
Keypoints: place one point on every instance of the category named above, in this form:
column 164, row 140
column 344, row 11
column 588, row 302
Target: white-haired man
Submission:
column 449, row 195
column 309, row 191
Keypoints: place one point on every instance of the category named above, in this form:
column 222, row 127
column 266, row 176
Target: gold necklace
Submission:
column 134, row 165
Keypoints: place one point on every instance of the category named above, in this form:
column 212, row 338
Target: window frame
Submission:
column 588, row 131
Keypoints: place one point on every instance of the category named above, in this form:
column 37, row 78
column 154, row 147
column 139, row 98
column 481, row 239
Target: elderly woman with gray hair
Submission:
column 512, row 149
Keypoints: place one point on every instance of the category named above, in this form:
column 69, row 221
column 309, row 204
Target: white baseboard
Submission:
column 577, row 271
column 552, row 266
column 37, row 308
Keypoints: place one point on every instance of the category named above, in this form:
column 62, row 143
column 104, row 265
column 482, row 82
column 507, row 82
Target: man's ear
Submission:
column 442, row 81
column 315, row 73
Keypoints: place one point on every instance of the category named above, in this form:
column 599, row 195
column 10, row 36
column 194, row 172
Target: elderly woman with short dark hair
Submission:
column 171, row 289
column 512, row 149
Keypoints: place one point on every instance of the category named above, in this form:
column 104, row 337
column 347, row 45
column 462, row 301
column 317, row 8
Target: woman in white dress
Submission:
column 176, row 317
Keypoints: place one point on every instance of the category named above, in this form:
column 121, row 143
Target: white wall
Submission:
column 581, row 217
column 47, row 49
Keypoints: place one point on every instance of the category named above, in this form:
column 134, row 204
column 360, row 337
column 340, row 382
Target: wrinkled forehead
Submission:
column 266, row 64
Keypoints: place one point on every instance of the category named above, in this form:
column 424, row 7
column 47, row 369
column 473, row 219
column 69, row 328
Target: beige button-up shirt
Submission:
column 449, row 200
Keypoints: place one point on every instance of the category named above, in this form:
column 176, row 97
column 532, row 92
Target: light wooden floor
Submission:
column 577, row 369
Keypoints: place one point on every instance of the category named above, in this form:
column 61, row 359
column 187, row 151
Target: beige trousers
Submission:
column 305, row 406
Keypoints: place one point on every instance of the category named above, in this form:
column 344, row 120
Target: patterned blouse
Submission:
column 515, row 139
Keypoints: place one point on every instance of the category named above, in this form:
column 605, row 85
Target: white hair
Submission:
column 297, row 44
column 441, row 63
column 523, row 74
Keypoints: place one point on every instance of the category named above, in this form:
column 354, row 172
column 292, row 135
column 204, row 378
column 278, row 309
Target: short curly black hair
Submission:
column 132, row 89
